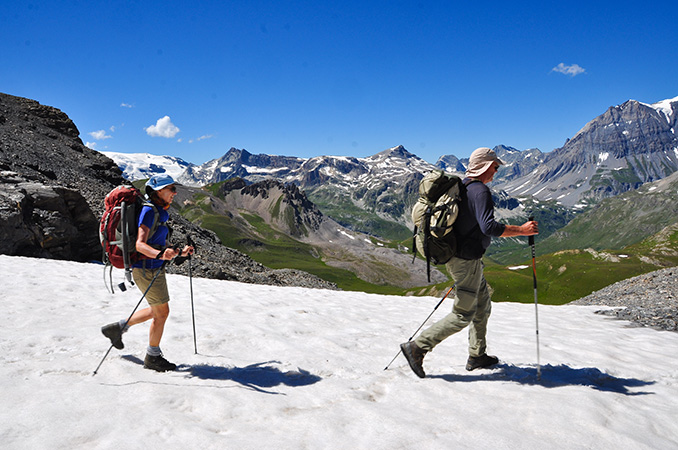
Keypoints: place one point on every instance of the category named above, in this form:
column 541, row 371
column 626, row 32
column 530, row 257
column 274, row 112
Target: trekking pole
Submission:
column 130, row 316
column 536, row 303
column 190, row 282
column 422, row 324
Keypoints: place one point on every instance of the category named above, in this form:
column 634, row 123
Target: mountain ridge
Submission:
column 626, row 146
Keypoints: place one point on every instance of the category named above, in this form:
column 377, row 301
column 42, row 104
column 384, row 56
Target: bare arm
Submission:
column 526, row 229
column 142, row 246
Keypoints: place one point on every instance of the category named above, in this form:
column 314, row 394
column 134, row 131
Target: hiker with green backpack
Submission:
column 474, row 227
column 149, row 271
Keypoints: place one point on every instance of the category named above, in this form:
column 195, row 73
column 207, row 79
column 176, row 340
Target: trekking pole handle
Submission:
column 530, row 239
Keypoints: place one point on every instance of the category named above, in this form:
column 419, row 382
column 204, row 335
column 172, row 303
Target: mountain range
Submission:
column 628, row 145
column 373, row 195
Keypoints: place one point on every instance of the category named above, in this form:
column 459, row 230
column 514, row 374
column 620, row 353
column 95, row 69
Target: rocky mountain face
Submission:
column 450, row 163
column 242, row 164
column 516, row 163
column 628, row 145
column 283, row 206
column 385, row 184
column 49, row 183
column 51, row 196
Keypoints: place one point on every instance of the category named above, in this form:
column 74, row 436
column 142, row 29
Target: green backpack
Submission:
column 434, row 215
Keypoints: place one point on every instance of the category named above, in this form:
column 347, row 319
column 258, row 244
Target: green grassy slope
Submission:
column 562, row 276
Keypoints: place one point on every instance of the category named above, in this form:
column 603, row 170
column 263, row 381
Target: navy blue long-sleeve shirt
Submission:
column 475, row 226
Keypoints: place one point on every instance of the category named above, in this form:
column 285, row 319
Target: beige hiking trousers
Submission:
column 472, row 308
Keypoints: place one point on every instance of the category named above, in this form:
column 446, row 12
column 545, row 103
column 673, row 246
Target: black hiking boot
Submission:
column 481, row 362
column 113, row 332
column 415, row 357
column 158, row 363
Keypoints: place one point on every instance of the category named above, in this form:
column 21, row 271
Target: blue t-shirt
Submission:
column 158, row 239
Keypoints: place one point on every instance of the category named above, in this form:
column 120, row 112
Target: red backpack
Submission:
column 119, row 227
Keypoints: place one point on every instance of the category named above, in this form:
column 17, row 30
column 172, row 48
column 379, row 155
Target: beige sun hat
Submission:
column 481, row 159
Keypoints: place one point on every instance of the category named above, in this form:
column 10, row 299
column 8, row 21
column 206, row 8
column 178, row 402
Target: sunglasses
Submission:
column 171, row 188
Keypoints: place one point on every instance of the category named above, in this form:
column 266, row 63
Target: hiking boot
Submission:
column 158, row 363
column 480, row 362
column 113, row 332
column 415, row 357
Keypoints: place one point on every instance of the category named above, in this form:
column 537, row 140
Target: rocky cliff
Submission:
column 49, row 183
column 626, row 146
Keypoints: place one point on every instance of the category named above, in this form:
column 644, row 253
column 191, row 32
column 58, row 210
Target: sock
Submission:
column 153, row 351
column 123, row 327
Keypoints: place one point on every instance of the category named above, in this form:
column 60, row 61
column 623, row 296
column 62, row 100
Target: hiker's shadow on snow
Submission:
column 257, row 376
column 555, row 376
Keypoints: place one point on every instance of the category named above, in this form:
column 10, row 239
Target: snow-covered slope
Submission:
column 138, row 166
column 293, row 368
column 667, row 108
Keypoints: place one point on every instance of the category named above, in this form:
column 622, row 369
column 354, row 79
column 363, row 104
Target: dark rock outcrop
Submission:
column 51, row 183
column 45, row 221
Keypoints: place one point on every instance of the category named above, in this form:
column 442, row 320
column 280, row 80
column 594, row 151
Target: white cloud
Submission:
column 201, row 138
column 162, row 128
column 571, row 70
column 100, row 135
column 205, row 136
column 126, row 105
column 92, row 145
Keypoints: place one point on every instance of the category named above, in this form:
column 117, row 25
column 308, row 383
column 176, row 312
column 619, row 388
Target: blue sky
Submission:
column 309, row 78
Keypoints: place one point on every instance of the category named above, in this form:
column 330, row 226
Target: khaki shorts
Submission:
column 158, row 293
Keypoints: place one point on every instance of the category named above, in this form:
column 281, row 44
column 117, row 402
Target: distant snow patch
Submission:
column 346, row 234
column 664, row 107
column 255, row 169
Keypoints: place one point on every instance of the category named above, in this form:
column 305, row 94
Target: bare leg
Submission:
column 159, row 314
column 140, row 316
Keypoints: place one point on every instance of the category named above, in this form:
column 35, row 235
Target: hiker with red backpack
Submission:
column 149, row 271
column 474, row 228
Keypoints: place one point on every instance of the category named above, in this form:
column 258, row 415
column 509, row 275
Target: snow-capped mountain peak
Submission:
column 665, row 107
column 138, row 166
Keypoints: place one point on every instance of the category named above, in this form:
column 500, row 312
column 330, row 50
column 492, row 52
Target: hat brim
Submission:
column 161, row 186
column 480, row 169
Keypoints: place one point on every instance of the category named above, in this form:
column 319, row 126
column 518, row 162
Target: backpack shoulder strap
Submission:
column 156, row 220
column 156, row 217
